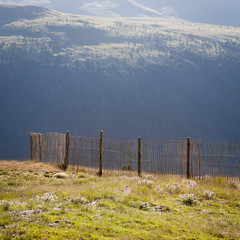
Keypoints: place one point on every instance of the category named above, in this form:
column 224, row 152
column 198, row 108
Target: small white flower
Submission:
column 47, row 197
column 190, row 184
column 126, row 190
column 145, row 182
column 149, row 176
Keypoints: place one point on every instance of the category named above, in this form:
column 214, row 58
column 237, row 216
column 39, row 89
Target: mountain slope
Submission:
column 131, row 39
column 220, row 12
column 158, row 78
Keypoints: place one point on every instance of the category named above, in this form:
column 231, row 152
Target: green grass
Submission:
column 36, row 205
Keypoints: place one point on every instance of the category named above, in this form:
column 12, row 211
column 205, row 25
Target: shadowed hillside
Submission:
column 156, row 78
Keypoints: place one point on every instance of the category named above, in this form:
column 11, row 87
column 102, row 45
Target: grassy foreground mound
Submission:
column 37, row 202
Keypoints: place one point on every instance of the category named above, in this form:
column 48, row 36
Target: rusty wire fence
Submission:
column 167, row 157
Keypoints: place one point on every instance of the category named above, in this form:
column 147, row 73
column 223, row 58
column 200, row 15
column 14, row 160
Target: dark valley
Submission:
column 160, row 78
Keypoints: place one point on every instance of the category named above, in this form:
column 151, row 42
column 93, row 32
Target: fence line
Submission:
column 215, row 158
column 191, row 159
column 164, row 157
column 48, row 147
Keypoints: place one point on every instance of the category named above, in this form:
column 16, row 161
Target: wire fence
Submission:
column 84, row 152
column 215, row 159
column 120, row 155
column 48, row 147
column 168, row 157
column 164, row 157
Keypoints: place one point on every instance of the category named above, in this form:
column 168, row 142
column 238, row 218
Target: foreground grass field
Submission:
column 38, row 203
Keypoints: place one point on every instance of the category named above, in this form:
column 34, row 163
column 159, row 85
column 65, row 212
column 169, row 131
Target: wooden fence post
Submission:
column 66, row 159
column 101, row 153
column 139, row 156
column 40, row 146
column 31, row 147
column 188, row 156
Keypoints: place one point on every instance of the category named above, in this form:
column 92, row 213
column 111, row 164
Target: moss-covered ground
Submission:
column 37, row 204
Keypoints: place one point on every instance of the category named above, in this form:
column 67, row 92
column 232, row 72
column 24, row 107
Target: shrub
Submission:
column 47, row 197
column 208, row 194
column 81, row 175
column 233, row 184
column 152, row 207
column 175, row 188
column 127, row 168
column 5, row 205
column 188, row 199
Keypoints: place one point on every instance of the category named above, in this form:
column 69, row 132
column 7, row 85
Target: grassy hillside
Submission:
column 162, row 41
column 36, row 202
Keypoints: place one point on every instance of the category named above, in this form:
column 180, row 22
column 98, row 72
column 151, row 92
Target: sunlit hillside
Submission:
column 130, row 40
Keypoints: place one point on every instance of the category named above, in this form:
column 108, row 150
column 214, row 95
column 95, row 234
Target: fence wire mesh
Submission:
column 84, row 152
column 48, row 147
column 164, row 157
column 215, row 159
column 169, row 157
column 120, row 155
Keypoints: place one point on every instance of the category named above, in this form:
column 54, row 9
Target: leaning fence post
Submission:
column 139, row 156
column 66, row 160
column 31, row 147
column 101, row 153
column 188, row 156
column 40, row 146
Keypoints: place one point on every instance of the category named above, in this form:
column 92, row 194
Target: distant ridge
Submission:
column 21, row 11
column 218, row 12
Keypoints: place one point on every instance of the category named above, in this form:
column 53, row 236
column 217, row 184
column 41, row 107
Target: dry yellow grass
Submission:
column 7, row 165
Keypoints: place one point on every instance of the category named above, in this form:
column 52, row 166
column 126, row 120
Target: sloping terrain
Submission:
column 158, row 78
column 219, row 12
column 80, row 37
column 36, row 203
